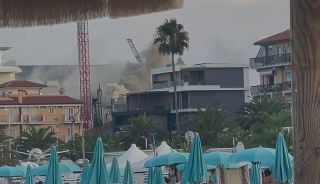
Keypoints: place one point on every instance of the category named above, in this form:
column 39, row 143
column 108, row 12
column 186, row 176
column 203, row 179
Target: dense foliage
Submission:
column 256, row 123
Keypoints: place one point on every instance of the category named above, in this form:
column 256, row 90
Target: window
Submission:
column 52, row 110
column 54, row 129
column 271, row 79
column 12, row 132
column 288, row 77
column 25, row 129
column 69, row 110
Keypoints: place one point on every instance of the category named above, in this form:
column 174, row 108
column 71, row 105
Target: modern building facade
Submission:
column 197, row 86
column 22, row 105
column 273, row 62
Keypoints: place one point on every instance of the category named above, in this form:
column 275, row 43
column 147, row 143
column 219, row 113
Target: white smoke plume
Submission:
column 136, row 76
column 115, row 78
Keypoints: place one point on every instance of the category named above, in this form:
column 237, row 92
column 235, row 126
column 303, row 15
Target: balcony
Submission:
column 188, row 105
column 38, row 119
column 270, row 88
column 140, row 106
column 270, row 61
column 179, row 83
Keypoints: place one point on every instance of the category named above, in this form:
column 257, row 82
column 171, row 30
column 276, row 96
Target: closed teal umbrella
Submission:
column 98, row 169
column 158, row 176
column 85, row 171
column 196, row 168
column 128, row 175
column 214, row 177
column 255, row 173
column 29, row 178
column 115, row 174
column 53, row 175
column 150, row 176
column 282, row 171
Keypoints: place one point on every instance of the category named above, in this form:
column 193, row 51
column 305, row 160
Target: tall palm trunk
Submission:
column 175, row 95
column 305, row 16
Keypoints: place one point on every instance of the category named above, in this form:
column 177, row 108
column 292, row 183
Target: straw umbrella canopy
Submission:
column 28, row 13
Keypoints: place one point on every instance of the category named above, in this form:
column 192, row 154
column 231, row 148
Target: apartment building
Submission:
column 22, row 105
column 197, row 86
column 273, row 62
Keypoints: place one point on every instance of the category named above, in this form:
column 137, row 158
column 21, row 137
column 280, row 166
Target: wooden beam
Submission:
column 305, row 42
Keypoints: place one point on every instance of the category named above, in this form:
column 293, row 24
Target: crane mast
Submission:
column 84, row 69
column 134, row 50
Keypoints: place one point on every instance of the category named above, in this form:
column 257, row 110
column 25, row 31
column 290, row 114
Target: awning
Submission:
column 266, row 72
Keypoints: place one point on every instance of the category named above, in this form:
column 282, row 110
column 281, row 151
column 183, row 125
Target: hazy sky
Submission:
column 220, row 31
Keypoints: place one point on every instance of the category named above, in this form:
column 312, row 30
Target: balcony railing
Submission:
column 36, row 118
column 140, row 106
column 270, row 88
column 266, row 61
column 179, row 83
column 165, row 106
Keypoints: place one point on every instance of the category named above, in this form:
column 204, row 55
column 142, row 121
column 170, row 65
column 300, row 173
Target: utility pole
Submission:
column 153, row 143
column 305, row 43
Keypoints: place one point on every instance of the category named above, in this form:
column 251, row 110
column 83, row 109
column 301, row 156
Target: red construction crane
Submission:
column 84, row 69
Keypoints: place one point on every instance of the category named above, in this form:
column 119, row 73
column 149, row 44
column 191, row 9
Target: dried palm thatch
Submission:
column 29, row 13
column 126, row 8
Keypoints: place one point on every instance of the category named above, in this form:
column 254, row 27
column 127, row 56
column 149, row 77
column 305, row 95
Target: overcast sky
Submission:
column 220, row 31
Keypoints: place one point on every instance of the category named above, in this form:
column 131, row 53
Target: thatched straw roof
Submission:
column 28, row 13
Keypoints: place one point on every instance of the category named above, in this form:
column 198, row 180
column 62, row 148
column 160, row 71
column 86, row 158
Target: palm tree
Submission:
column 42, row 138
column 209, row 123
column 172, row 40
column 111, row 142
column 5, row 151
column 251, row 113
column 271, row 126
column 139, row 129
column 238, row 134
column 75, row 146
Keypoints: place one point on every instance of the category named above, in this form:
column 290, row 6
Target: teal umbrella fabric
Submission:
column 266, row 156
column 158, row 176
column 85, row 171
column 196, row 168
column 128, row 174
column 255, row 173
column 29, row 178
column 167, row 159
column 282, row 171
column 216, row 158
column 7, row 171
column 98, row 169
column 115, row 174
column 53, row 175
column 150, row 176
column 181, row 167
column 64, row 168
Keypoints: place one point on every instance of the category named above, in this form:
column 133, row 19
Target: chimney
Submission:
column 20, row 96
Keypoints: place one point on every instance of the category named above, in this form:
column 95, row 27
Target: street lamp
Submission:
column 82, row 133
column 145, row 139
column 153, row 143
